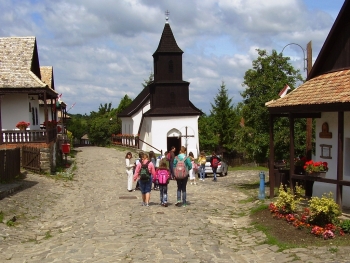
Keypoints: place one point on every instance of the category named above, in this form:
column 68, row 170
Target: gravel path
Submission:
column 93, row 218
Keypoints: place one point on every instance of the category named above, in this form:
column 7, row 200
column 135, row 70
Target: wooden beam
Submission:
column 314, row 115
column 272, row 159
column 291, row 149
column 0, row 121
column 340, row 162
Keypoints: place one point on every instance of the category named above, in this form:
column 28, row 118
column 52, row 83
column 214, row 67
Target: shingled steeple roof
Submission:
column 167, row 42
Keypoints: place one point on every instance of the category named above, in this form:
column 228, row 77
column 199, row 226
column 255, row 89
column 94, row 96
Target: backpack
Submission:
column 163, row 176
column 215, row 162
column 194, row 166
column 168, row 156
column 180, row 170
column 144, row 172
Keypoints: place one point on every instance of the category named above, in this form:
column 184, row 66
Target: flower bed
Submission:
column 320, row 218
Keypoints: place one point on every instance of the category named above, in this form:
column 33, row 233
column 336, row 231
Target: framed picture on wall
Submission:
column 326, row 151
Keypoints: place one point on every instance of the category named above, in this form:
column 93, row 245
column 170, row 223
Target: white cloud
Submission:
column 102, row 50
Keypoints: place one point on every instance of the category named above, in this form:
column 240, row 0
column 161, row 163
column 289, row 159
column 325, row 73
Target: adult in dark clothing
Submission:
column 171, row 162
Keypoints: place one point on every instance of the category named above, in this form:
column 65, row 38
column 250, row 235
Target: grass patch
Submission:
column 48, row 235
column 248, row 200
column 248, row 168
column 1, row 216
column 259, row 208
column 271, row 239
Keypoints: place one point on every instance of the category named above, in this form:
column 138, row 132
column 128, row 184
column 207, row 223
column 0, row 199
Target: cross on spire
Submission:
column 167, row 16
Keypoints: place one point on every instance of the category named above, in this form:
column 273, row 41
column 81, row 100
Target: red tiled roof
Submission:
column 324, row 89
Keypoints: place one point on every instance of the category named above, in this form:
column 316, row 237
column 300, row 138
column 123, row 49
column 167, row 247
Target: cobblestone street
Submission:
column 93, row 218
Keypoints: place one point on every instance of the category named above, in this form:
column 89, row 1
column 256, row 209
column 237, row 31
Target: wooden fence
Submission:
column 10, row 164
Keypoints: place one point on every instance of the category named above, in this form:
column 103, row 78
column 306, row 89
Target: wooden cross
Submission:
column 186, row 137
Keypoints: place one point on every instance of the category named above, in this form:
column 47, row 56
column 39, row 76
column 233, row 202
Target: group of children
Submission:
column 162, row 174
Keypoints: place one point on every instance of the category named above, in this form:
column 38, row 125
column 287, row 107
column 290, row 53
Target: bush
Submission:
column 287, row 202
column 345, row 225
column 324, row 210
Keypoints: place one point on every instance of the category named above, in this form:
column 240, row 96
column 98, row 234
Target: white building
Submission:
column 325, row 97
column 162, row 114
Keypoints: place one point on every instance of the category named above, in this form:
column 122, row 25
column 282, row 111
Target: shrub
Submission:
column 345, row 225
column 287, row 202
column 324, row 210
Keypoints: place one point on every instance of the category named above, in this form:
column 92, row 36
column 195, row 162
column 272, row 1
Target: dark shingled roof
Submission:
column 174, row 111
column 167, row 42
column 136, row 104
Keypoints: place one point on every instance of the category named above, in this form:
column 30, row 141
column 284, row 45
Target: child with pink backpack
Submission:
column 162, row 178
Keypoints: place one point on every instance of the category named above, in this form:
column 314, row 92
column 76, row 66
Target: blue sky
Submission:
column 102, row 50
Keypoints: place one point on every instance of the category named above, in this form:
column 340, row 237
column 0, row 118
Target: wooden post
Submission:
column 308, row 120
column 340, row 162
column 291, row 150
column 272, row 158
column 1, row 140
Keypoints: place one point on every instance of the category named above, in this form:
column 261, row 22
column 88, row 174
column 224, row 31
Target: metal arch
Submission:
column 305, row 59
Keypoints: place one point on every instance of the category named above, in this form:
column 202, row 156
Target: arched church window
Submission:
column 171, row 66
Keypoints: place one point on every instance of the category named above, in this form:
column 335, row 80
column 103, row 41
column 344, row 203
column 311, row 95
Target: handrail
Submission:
column 161, row 151
column 16, row 136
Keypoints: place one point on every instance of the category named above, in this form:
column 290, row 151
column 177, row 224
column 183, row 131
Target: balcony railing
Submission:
column 14, row 136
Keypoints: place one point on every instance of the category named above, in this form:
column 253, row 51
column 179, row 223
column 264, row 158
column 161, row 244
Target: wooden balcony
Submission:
column 27, row 136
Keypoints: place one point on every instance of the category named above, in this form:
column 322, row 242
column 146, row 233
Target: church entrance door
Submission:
column 173, row 141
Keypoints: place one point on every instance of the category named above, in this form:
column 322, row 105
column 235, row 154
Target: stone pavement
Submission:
column 93, row 218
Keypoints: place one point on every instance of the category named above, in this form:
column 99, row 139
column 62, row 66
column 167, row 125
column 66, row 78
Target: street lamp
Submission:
column 308, row 60
column 305, row 59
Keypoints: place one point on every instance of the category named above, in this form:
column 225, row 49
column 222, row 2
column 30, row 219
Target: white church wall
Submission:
column 332, row 119
column 156, row 130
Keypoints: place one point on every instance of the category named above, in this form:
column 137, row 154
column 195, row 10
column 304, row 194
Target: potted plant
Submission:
column 22, row 125
column 299, row 164
column 316, row 168
column 50, row 124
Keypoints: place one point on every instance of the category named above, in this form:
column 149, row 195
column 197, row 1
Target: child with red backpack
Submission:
column 162, row 178
column 214, row 163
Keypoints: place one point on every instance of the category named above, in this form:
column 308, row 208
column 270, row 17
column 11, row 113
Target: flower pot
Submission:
column 318, row 174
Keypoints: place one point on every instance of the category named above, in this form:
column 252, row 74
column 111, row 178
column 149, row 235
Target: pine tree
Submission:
column 224, row 120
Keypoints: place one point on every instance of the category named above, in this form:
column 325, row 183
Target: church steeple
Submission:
column 168, row 57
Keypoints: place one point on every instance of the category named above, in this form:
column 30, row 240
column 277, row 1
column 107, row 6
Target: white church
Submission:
column 162, row 114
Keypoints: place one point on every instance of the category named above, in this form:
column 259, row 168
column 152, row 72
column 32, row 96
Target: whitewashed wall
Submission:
column 332, row 119
column 156, row 130
column 15, row 108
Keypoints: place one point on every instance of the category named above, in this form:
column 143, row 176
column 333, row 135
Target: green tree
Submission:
column 270, row 73
column 208, row 140
column 224, row 120
column 77, row 125
column 124, row 102
column 148, row 81
column 101, row 125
